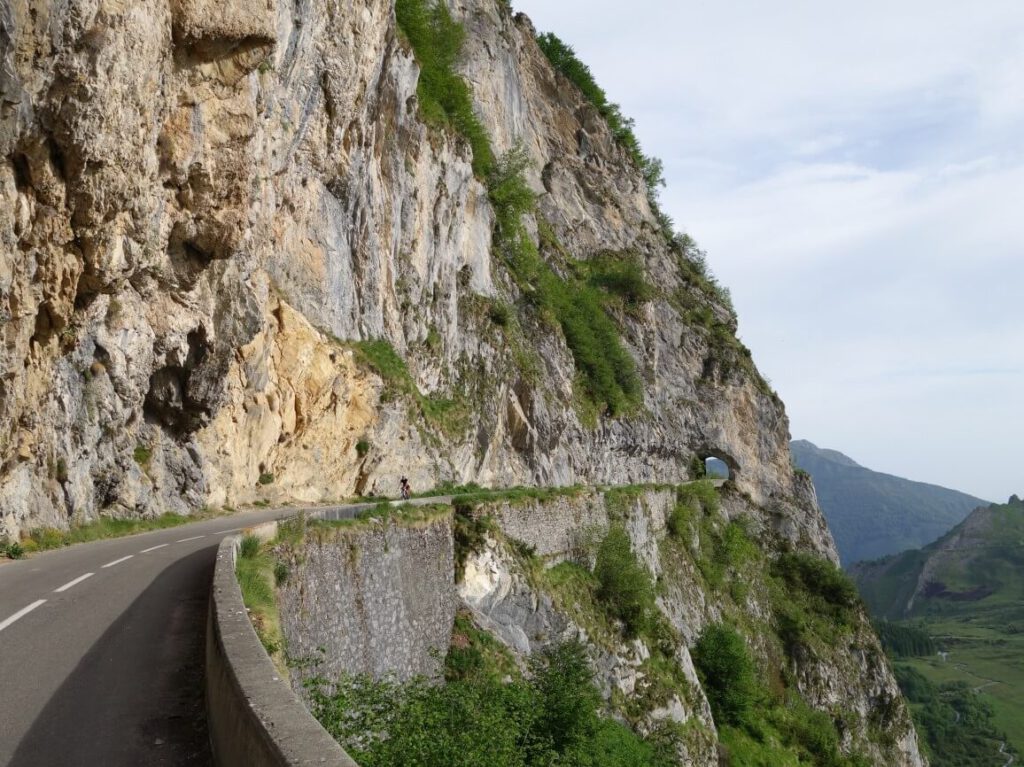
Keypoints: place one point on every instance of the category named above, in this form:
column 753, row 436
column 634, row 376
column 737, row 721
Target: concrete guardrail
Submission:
column 255, row 718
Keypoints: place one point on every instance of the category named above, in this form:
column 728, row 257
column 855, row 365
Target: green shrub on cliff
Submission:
column 446, row 100
column 815, row 602
column 578, row 305
column 701, row 495
column 757, row 727
column 478, row 720
column 10, row 549
column 564, row 59
column 470, row 533
column 727, row 672
column 449, row 415
column 624, row 585
column 818, row 577
column 621, row 275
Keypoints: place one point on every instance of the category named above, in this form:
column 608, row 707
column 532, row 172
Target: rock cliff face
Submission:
column 198, row 200
column 379, row 597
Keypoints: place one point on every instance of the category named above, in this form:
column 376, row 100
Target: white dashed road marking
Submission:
column 193, row 538
column 153, row 548
column 75, row 582
column 21, row 613
column 119, row 561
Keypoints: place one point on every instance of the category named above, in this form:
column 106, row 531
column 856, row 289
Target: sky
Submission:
column 855, row 172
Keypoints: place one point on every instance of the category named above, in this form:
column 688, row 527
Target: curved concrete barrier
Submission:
column 255, row 718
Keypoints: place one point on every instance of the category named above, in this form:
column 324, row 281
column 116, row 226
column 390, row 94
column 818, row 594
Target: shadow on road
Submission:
column 136, row 697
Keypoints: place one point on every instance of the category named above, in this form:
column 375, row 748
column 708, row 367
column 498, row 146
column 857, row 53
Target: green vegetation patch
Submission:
column 474, row 653
column 478, row 718
column 470, row 533
column 972, row 610
column 693, row 261
column 445, row 99
column 985, row 659
column 723, row 555
column 755, row 726
column 727, row 673
column 142, row 455
column 696, row 503
column 694, row 301
column 904, row 640
column 451, row 416
column 955, row 724
column 698, row 278
column 44, row 538
column 574, row 590
column 723, row 550
column 11, row 549
column 383, row 512
column 255, row 568
column 815, row 602
column 701, row 495
column 818, row 577
column 564, row 59
column 577, row 301
column 623, row 584
column 621, row 275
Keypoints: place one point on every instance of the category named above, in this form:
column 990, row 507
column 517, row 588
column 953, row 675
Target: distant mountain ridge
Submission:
column 976, row 568
column 872, row 514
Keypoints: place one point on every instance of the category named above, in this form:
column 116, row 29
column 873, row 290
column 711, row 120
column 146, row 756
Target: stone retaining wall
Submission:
column 255, row 720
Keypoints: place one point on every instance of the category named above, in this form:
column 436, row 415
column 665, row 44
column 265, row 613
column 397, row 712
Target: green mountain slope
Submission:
column 975, row 571
column 966, row 592
column 873, row 514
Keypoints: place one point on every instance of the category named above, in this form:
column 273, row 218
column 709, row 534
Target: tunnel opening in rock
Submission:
column 713, row 464
column 716, row 468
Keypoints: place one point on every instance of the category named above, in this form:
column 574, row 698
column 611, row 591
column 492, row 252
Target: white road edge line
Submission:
column 75, row 582
column 21, row 613
column 153, row 548
column 232, row 530
column 118, row 561
column 193, row 538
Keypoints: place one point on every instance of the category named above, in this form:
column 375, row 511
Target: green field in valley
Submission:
column 958, row 635
column 990, row 661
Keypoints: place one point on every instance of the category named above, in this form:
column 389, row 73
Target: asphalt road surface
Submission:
column 102, row 645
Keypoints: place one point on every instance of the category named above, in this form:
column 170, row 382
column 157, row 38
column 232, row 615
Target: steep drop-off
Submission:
column 641, row 576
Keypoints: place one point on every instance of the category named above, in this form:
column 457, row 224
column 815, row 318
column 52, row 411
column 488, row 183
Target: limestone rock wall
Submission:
column 202, row 203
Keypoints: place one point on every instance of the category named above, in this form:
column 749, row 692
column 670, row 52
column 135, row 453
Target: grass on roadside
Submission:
column 45, row 538
column 257, row 572
column 10, row 549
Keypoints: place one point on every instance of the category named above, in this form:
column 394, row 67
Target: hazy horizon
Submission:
column 854, row 176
